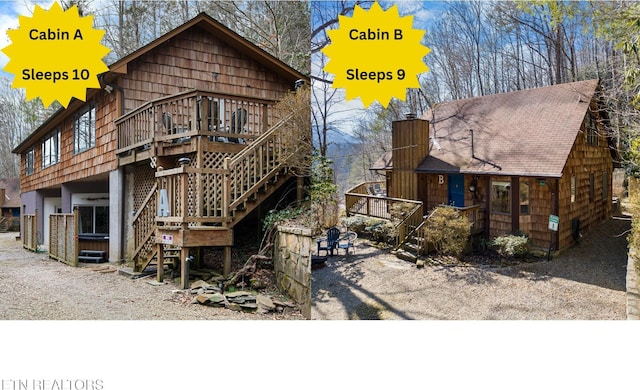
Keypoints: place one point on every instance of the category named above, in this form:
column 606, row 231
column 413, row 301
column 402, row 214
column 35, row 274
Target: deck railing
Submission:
column 362, row 200
column 406, row 214
column 178, row 117
column 208, row 195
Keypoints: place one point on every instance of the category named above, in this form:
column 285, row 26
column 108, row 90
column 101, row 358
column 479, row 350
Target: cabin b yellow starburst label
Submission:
column 376, row 55
column 55, row 55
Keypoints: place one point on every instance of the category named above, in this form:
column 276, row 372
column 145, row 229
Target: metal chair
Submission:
column 331, row 242
column 348, row 241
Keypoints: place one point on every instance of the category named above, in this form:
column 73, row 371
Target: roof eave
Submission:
column 120, row 67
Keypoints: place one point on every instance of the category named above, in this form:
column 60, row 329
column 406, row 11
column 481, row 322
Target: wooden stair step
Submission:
column 411, row 247
column 404, row 255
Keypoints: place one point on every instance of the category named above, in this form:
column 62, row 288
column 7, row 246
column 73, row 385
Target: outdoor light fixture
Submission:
column 184, row 161
column 542, row 182
column 473, row 187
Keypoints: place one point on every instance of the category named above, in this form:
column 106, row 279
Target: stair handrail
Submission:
column 231, row 163
column 415, row 213
column 147, row 234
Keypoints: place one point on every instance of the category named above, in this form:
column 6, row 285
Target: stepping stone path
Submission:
column 211, row 295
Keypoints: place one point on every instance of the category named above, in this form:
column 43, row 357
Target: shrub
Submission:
column 377, row 229
column 400, row 210
column 357, row 223
column 278, row 217
column 381, row 230
column 448, row 231
column 634, row 236
column 512, row 245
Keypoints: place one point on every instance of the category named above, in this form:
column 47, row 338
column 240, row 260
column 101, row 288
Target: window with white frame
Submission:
column 84, row 130
column 51, row 148
column 29, row 160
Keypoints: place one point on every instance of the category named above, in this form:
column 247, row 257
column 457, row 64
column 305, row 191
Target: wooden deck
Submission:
column 215, row 158
column 406, row 214
column 193, row 121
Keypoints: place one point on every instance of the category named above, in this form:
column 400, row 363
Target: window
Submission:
column 500, row 202
column 94, row 219
column 29, row 162
column 524, row 197
column 592, row 187
column 573, row 188
column 84, row 130
column 591, row 129
column 51, row 148
column 605, row 185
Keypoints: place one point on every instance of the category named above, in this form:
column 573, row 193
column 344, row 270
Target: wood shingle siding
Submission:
column 98, row 160
column 197, row 60
column 545, row 137
column 583, row 160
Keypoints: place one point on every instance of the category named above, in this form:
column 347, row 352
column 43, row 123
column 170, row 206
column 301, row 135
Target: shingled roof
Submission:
column 521, row 133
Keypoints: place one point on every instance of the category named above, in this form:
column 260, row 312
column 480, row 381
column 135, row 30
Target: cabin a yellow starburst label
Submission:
column 376, row 55
column 55, row 55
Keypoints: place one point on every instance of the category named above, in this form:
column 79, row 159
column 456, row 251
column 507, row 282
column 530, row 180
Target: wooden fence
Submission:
column 63, row 238
column 30, row 234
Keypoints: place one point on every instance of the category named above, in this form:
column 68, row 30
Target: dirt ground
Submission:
column 584, row 282
column 34, row 287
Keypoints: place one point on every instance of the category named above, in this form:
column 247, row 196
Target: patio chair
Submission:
column 238, row 121
column 330, row 243
column 348, row 241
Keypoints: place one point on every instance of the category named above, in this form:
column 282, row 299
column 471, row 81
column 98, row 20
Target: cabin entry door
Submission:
column 455, row 194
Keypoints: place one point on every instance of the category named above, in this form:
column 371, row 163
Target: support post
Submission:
column 184, row 280
column 198, row 262
column 160, row 270
column 227, row 261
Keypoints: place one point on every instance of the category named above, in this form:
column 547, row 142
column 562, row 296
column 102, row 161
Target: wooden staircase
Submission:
column 209, row 196
column 4, row 224
column 413, row 246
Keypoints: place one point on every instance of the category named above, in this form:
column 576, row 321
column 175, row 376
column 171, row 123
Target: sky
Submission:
column 9, row 12
column 346, row 114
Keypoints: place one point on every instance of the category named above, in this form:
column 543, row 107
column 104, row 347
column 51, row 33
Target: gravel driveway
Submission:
column 584, row 282
column 34, row 287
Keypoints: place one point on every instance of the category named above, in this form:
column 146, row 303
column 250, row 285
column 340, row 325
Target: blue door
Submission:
column 455, row 195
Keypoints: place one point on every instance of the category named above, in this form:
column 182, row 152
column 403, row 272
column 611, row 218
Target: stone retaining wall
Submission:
column 292, row 264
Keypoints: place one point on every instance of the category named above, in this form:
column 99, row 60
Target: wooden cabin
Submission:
column 176, row 148
column 514, row 158
column 9, row 204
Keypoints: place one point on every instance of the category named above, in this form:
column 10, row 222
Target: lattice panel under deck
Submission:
column 143, row 181
column 214, row 160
